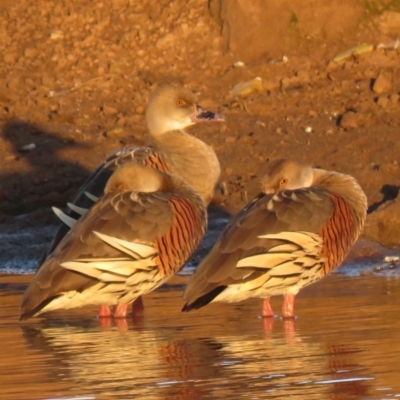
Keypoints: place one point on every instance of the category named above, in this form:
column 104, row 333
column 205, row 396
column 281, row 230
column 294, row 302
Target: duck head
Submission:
column 174, row 108
column 283, row 174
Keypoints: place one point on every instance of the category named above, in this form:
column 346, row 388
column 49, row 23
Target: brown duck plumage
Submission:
column 171, row 109
column 294, row 233
column 135, row 237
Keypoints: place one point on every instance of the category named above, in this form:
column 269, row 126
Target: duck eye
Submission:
column 122, row 187
column 180, row 103
column 283, row 181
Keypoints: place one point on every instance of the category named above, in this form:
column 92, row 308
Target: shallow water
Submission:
column 343, row 345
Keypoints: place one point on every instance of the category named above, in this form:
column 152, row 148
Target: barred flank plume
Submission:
column 187, row 229
column 155, row 160
column 339, row 233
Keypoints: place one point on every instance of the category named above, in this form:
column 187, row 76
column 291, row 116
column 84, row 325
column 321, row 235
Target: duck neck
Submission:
column 346, row 187
column 190, row 158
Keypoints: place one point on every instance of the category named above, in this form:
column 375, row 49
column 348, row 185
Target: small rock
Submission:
column 139, row 110
column 166, row 41
column 382, row 225
column 31, row 52
column 249, row 140
column 382, row 83
column 289, row 81
column 107, row 110
column 115, row 133
column 382, row 101
column 56, row 35
column 230, row 139
column 349, row 120
column 121, row 121
column 14, row 82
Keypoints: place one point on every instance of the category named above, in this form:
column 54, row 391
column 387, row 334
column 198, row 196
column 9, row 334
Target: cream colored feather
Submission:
column 135, row 250
column 78, row 210
column 70, row 222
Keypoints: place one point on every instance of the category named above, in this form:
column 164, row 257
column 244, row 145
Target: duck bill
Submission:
column 203, row 115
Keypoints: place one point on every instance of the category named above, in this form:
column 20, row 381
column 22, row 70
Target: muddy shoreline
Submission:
column 74, row 86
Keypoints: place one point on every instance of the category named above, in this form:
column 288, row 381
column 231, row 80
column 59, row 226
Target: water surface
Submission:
column 343, row 345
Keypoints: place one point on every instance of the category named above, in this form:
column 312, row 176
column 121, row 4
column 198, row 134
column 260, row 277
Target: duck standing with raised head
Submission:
column 294, row 233
column 170, row 110
column 135, row 237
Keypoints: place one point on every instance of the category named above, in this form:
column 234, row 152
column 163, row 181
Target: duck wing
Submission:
column 289, row 238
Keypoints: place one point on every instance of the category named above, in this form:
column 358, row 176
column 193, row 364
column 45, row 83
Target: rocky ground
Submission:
column 75, row 77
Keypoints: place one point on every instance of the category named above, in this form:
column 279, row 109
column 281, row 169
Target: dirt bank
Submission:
column 74, row 81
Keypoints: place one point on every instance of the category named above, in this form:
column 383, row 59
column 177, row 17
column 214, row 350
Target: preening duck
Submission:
column 294, row 233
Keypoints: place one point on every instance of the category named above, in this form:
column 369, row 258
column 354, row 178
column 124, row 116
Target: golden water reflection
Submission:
column 344, row 345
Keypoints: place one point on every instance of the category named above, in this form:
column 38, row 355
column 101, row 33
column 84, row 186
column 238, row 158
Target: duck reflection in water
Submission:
column 165, row 361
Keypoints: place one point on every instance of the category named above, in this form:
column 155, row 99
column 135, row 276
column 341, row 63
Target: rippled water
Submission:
column 343, row 345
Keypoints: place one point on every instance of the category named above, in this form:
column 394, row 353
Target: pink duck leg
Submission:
column 288, row 305
column 121, row 310
column 104, row 311
column 267, row 309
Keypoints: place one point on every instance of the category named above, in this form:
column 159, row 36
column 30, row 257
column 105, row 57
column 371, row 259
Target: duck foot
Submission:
column 266, row 311
column 288, row 306
column 104, row 312
column 120, row 311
